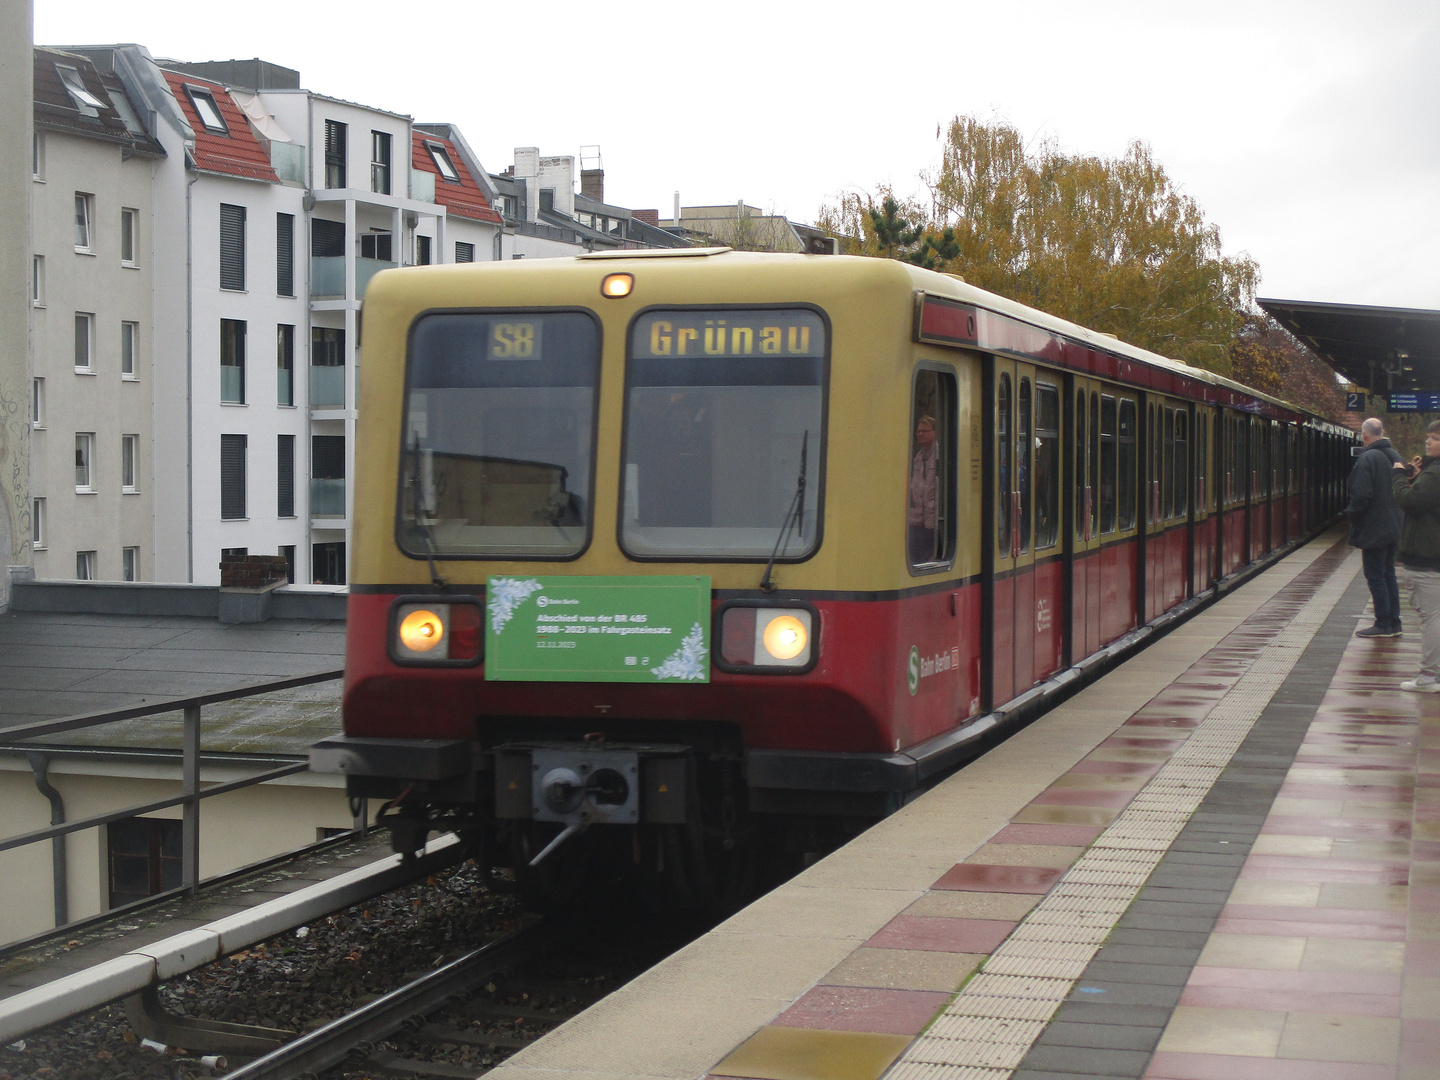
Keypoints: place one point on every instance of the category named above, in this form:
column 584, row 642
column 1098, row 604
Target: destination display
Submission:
column 1427, row 401
column 729, row 334
column 598, row 629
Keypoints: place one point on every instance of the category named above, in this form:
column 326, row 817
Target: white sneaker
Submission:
column 1422, row 684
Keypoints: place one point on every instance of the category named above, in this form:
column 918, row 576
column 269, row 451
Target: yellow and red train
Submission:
column 691, row 550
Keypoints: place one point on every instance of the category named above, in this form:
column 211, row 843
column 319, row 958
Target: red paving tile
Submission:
column 1172, row 1066
column 1396, row 793
column 1235, row 997
column 853, row 1008
column 1328, row 877
column 1083, row 797
column 938, row 934
column 1350, row 828
column 1159, row 722
column 1420, row 1042
column 1135, row 742
column 1312, row 862
column 1320, row 982
column 982, row 877
column 1116, row 768
column 1061, row 835
column 1329, row 915
column 1290, row 928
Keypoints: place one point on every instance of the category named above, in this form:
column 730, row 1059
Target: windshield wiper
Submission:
column 422, row 513
column 795, row 515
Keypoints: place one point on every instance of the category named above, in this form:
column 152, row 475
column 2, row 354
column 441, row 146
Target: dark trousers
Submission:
column 1379, row 564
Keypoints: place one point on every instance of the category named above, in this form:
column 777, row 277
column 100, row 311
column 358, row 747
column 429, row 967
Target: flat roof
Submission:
column 1384, row 349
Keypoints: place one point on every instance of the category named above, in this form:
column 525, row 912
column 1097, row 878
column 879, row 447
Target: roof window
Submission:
column 204, row 102
column 86, row 102
column 443, row 164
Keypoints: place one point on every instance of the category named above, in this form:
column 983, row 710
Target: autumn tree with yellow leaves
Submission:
column 1109, row 243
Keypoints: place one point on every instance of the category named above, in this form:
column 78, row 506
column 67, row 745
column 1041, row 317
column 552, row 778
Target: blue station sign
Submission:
column 1426, row 401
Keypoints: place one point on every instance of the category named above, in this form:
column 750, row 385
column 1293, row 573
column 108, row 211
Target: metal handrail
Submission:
column 191, row 792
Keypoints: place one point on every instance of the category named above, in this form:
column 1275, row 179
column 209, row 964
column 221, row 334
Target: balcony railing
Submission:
column 327, row 387
column 422, row 185
column 327, row 498
column 288, row 161
column 327, row 275
column 232, row 384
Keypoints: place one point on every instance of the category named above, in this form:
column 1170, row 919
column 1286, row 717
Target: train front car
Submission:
column 636, row 570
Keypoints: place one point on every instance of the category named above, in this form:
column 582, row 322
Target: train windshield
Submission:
column 723, row 426
column 499, row 435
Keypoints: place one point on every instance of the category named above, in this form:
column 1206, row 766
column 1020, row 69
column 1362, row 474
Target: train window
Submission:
column 1024, row 463
column 1152, row 500
column 1047, row 466
column 1094, row 464
column 930, row 491
column 1003, row 490
column 499, row 435
column 1082, row 470
column 1167, row 478
column 1182, row 463
column 1107, row 464
column 1127, row 464
column 724, row 413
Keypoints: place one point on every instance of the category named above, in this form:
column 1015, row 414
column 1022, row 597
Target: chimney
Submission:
column 592, row 184
column 649, row 217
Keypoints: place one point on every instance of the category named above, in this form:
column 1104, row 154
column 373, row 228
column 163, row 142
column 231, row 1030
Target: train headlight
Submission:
column 429, row 633
column 756, row 640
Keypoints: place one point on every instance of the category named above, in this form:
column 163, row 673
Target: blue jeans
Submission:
column 1379, row 565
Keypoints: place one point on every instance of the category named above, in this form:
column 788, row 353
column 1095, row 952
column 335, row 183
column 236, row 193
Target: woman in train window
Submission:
column 920, row 518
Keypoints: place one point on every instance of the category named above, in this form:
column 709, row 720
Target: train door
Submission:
column 1119, row 491
column 1084, row 444
column 1017, row 616
column 1202, row 558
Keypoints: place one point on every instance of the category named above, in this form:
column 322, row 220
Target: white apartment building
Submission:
column 92, row 267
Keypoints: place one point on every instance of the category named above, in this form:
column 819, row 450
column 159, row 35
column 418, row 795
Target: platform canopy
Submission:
column 1383, row 349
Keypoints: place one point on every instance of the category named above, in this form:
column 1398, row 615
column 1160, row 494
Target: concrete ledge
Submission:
column 322, row 603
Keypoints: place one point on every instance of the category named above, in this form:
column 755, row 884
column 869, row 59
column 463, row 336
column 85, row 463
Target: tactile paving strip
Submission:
column 1039, row 962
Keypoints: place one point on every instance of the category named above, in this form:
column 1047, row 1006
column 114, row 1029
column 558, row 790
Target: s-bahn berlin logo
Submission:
column 922, row 668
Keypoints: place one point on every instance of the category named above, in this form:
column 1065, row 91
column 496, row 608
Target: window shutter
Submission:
column 232, row 246
column 327, row 238
column 327, row 457
column 232, row 476
column 464, row 253
column 285, row 476
column 285, row 254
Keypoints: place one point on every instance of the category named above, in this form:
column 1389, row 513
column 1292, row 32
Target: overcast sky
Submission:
column 1309, row 132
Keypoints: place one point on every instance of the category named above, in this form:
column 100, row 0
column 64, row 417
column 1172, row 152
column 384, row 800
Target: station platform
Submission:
column 1219, row 862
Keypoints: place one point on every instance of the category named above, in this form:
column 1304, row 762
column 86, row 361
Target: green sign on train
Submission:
column 598, row 629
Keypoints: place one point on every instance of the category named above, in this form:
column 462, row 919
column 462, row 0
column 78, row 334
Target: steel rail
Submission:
column 328, row 1045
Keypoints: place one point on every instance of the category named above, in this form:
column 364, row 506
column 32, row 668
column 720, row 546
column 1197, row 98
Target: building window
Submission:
column 85, row 565
column 232, row 477
column 232, row 247
column 84, row 341
column 37, row 156
column 422, row 251
column 284, row 364
column 37, row 280
column 375, row 244
column 327, row 367
column 930, row 518
column 335, row 140
column 547, row 199
column 232, row 361
column 327, row 476
column 129, row 344
column 464, row 252
column 145, row 858
column 443, row 164
column 37, row 524
column 129, row 451
column 287, row 552
column 285, row 476
column 86, row 103
column 37, row 403
column 84, row 453
column 327, row 563
column 228, row 554
column 285, row 254
column 130, row 564
column 84, row 221
column 327, row 238
column 204, row 102
column 380, row 162
column 129, row 236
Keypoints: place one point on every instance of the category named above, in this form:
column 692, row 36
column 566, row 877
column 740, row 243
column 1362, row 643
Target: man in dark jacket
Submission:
column 1375, row 526
column 1420, row 555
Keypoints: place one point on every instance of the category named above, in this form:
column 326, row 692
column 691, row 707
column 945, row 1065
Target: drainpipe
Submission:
column 189, row 381
column 40, row 765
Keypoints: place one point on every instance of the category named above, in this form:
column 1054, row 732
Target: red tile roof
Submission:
column 464, row 199
column 238, row 153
